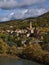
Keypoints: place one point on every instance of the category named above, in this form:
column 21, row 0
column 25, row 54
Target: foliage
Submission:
column 3, row 46
column 46, row 38
column 35, row 52
column 13, row 50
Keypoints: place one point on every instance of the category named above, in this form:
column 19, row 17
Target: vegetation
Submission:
column 3, row 47
column 35, row 52
column 9, row 43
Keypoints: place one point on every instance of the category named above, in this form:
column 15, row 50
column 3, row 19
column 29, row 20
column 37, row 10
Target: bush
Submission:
column 3, row 46
column 35, row 52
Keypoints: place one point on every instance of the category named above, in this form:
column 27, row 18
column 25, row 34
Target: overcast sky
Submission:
column 19, row 9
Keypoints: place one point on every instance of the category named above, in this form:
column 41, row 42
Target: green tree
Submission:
column 46, row 38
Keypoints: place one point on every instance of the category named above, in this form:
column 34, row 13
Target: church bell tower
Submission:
column 30, row 25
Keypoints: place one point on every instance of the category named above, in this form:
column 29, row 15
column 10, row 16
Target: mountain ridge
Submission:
column 47, row 13
column 42, row 20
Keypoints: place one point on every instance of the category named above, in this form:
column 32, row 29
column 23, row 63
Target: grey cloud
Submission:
column 9, row 4
column 5, row 4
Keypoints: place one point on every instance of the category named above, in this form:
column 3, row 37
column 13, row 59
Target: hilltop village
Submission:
column 32, row 32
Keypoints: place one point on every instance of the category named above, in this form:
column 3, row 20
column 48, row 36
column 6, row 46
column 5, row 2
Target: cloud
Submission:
column 23, row 13
column 6, row 4
column 9, row 4
column 20, row 9
column 4, row 19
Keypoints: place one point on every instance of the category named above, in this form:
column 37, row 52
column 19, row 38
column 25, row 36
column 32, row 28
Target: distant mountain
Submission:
column 42, row 20
column 45, row 15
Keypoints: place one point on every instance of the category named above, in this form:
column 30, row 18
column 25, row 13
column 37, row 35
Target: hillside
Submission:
column 42, row 20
